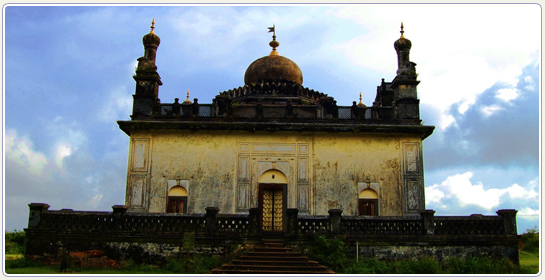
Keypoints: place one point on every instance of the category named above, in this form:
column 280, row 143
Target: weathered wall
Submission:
column 324, row 170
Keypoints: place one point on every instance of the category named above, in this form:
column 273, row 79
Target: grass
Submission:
column 529, row 261
column 13, row 256
column 54, row 269
column 198, row 264
column 529, row 264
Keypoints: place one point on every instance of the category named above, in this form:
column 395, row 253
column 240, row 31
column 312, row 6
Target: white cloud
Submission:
column 508, row 94
column 516, row 191
column 528, row 213
column 68, row 135
column 20, row 151
column 530, row 83
column 460, row 187
column 117, row 106
column 95, row 201
column 490, row 110
column 457, row 62
column 62, row 150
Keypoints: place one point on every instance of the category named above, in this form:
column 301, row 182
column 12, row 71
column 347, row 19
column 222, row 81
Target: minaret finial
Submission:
column 152, row 25
column 402, row 31
column 273, row 43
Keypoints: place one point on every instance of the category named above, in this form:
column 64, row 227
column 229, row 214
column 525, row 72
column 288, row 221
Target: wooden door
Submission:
column 272, row 202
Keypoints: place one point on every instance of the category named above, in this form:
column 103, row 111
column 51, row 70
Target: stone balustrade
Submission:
column 212, row 222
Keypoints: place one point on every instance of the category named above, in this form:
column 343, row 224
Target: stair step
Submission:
column 272, row 244
column 276, row 262
column 230, row 266
column 263, row 271
column 273, row 241
column 269, row 258
column 272, row 249
column 272, row 257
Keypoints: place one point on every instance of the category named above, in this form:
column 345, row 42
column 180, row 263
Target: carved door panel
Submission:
column 272, row 203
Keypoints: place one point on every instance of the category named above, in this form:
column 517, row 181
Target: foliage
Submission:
column 329, row 252
column 529, row 262
column 530, row 239
column 21, row 263
column 367, row 266
column 15, row 242
column 333, row 254
column 424, row 265
column 198, row 264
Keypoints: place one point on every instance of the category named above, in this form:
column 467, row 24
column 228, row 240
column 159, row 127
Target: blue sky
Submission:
column 68, row 79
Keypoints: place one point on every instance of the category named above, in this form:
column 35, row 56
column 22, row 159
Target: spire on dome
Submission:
column 274, row 44
column 187, row 101
column 402, row 31
column 361, row 103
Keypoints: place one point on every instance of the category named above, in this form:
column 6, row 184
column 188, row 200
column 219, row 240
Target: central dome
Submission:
column 273, row 68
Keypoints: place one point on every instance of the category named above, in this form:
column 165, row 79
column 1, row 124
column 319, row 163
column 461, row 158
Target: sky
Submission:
column 68, row 79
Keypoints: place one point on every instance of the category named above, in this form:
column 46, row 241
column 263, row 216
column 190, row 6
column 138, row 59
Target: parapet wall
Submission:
column 121, row 235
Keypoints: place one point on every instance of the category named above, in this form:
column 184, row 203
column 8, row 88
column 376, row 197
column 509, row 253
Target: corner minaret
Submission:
column 147, row 79
column 404, row 84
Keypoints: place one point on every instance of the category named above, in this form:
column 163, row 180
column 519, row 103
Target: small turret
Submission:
column 403, row 48
column 407, row 105
column 147, row 79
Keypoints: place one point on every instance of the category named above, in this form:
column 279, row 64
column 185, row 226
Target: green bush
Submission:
column 367, row 266
column 198, row 264
column 479, row 265
column 530, row 239
column 424, row 265
column 329, row 252
column 21, row 263
column 15, row 242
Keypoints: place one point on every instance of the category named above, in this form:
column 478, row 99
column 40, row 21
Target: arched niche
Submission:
column 273, row 176
column 368, row 194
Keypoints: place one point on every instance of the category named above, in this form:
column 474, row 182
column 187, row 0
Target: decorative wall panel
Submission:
column 412, row 159
column 138, row 189
column 140, row 151
column 256, row 158
column 413, row 187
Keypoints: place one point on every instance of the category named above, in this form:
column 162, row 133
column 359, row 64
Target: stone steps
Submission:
column 272, row 257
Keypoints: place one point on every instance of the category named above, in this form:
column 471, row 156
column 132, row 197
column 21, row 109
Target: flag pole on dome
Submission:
column 271, row 29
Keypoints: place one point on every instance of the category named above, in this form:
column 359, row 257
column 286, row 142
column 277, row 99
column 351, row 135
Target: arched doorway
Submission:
column 272, row 193
column 177, row 200
column 368, row 203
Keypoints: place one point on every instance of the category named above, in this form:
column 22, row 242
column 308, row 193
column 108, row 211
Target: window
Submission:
column 368, row 207
column 177, row 200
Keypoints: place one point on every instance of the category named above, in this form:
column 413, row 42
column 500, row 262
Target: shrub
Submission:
column 480, row 265
column 198, row 264
column 368, row 266
column 15, row 242
column 425, row 265
column 21, row 263
column 530, row 239
column 329, row 252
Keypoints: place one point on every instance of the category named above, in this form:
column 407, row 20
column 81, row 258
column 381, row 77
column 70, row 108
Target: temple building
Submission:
column 273, row 144
column 267, row 167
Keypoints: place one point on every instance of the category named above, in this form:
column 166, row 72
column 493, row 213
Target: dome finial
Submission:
column 361, row 103
column 402, row 31
column 152, row 25
column 187, row 101
column 273, row 43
